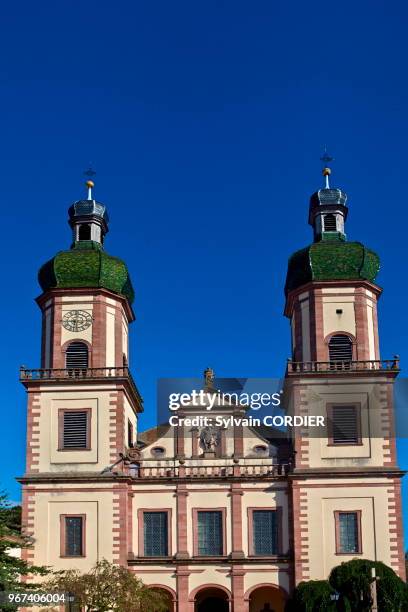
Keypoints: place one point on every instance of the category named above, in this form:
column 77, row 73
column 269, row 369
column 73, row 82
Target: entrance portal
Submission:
column 211, row 600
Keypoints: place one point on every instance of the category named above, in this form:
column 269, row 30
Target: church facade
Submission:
column 229, row 519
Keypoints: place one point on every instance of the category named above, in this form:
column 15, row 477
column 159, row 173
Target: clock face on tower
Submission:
column 76, row 320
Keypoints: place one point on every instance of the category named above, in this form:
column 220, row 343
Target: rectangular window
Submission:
column 209, row 526
column 74, row 429
column 73, row 535
column 155, row 534
column 130, row 434
column 348, row 532
column 344, row 424
column 265, row 532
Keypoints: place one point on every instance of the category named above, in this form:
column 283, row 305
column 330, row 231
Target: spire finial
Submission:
column 89, row 183
column 326, row 159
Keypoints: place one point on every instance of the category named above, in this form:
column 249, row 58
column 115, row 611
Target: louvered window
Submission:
column 74, row 429
column 210, row 536
column 265, row 532
column 77, row 357
column 340, row 349
column 345, row 424
column 155, row 533
column 329, row 223
column 348, row 540
column 74, row 536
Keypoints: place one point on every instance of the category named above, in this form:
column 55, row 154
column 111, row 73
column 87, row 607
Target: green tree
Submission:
column 352, row 581
column 312, row 596
column 13, row 569
column 108, row 587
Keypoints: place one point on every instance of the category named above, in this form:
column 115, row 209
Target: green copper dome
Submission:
column 86, row 265
column 331, row 260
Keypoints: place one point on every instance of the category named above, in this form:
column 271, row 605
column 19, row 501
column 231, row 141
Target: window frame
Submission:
column 130, row 434
column 140, row 516
column 330, row 429
column 61, row 412
column 337, row 532
column 332, row 216
column 63, row 552
column 251, row 543
column 223, row 512
column 353, row 342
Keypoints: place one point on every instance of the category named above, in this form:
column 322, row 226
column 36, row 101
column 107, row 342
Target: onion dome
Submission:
column 86, row 264
column 329, row 261
column 88, row 208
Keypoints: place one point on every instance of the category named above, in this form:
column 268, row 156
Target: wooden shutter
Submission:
column 340, row 348
column 329, row 223
column 77, row 356
column 74, row 429
column 345, row 424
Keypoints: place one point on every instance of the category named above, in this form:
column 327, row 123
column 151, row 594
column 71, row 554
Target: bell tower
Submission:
column 336, row 371
column 87, row 295
column 331, row 296
column 83, row 403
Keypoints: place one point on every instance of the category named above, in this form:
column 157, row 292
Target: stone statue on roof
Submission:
column 209, row 438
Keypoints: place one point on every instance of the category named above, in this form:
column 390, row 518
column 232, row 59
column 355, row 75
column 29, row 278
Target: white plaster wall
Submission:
column 47, row 347
column 166, row 442
column 156, row 575
column 370, row 327
column 131, row 416
column 50, row 459
column 209, row 575
column 266, row 574
column 98, row 507
column 264, row 498
column 305, row 313
column 125, row 338
column 83, row 456
column 332, row 322
column 322, row 502
column 210, row 499
column 70, row 303
column 373, row 408
column 110, row 337
column 154, row 499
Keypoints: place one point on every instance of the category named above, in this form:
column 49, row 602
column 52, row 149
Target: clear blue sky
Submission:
column 205, row 122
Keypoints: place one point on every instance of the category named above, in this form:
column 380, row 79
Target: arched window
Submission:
column 340, row 349
column 77, row 357
column 330, row 223
column 84, row 232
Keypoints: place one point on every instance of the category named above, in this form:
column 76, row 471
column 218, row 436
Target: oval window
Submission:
column 158, row 451
column 260, row 449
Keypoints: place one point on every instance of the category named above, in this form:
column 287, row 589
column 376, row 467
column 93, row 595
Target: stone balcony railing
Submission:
column 335, row 367
column 169, row 469
column 78, row 375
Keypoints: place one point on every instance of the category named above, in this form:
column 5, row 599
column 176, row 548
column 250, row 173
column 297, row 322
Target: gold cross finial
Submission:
column 89, row 183
column 326, row 159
